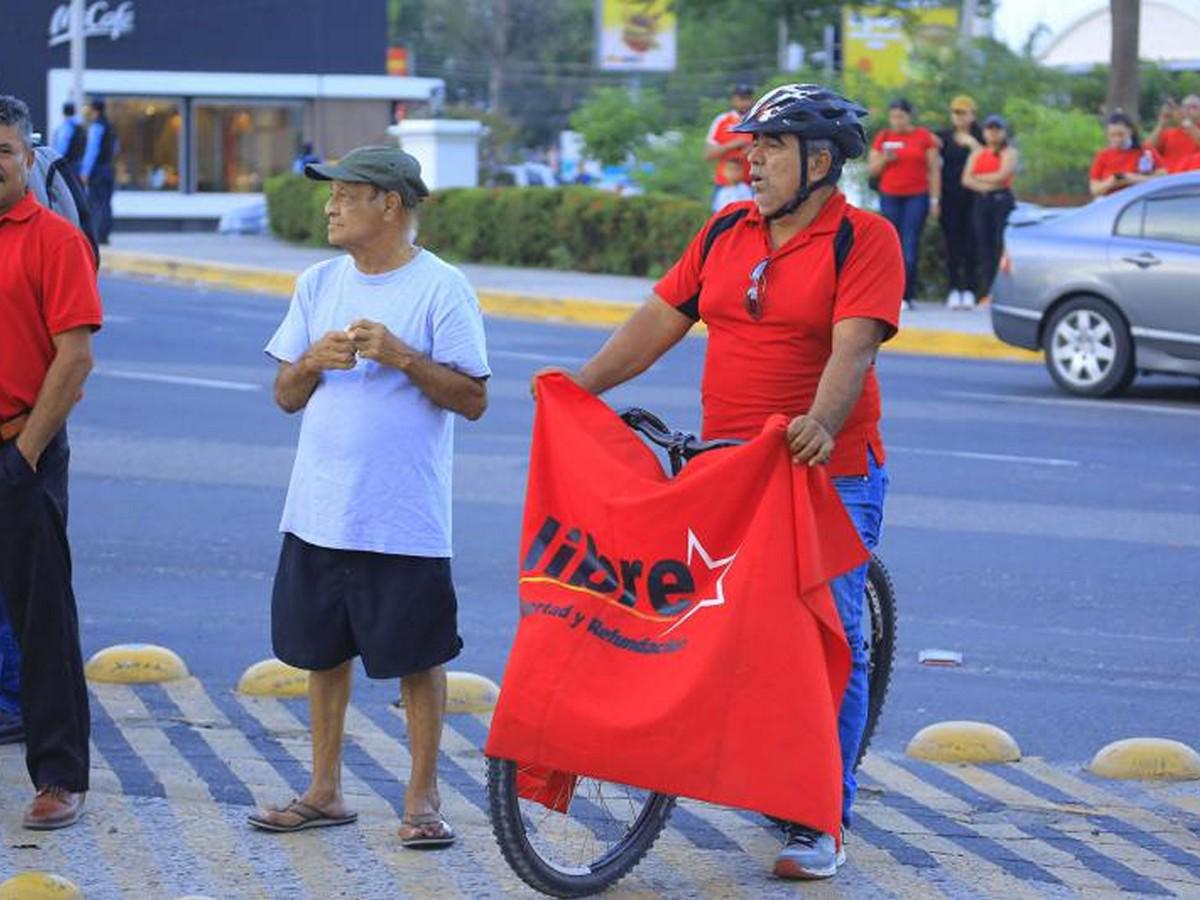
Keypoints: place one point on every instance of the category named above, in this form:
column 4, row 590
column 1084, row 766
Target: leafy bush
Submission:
column 575, row 228
column 614, row 122
column 1057, row 146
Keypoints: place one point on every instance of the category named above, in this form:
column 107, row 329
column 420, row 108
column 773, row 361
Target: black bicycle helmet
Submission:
column 811, row 112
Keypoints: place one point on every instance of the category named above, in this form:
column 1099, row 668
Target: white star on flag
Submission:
column 693, row 547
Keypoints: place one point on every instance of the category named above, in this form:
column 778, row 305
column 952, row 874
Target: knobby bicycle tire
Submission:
column 510, row 829
column 881, row 618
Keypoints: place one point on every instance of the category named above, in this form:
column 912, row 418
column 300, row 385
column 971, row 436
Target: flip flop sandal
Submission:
column 309, row 817
column 430, row 832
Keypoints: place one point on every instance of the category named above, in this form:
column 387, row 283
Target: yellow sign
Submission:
column 635, row 35
column 876, row 44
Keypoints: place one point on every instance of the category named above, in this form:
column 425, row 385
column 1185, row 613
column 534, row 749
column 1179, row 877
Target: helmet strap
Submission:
column 806, row 190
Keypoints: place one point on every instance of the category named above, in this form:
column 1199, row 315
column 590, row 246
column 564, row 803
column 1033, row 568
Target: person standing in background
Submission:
column 989, row 173
column 905, row 159
column 1176, row 135
column 959, row 141
column 96, row 172
column 723, row 144
column 1124, row 161
column 70, row 138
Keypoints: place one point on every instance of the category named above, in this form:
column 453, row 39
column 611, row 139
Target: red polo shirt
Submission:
column 908, row 174
column 721, row 132
column 47, row 286
column 1109, row 161
column 753, row 369
column 1174, row 144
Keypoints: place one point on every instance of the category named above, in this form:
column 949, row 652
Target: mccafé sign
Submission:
column 100, row 19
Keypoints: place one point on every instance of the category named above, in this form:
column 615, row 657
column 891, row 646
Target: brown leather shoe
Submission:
column 52, row 808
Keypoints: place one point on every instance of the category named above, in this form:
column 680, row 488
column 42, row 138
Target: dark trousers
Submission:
column 907, row 214
column 958, row 227
column 991, row 217
column 35, row 579
column 100, row 191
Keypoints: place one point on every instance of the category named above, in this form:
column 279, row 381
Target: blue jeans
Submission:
column 907, row 214
column 863, row 497
column 10, row 666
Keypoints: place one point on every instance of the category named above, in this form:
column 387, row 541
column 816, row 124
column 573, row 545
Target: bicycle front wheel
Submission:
column 604, row 833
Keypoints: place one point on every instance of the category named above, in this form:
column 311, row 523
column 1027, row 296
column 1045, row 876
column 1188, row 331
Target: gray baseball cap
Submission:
column 387, row 168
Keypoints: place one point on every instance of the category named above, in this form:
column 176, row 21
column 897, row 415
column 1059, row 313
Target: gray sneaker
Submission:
column 808, row 854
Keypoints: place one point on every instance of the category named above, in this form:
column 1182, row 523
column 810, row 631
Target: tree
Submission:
column 1123, row 61
column 614, row 123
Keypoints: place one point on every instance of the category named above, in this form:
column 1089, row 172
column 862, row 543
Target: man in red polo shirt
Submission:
column 723, row 143
column 49, row 307
column 798, row 290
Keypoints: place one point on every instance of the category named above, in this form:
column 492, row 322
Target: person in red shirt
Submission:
column 989, row 173
column 1124, row 161
column 798, row 290
column 50, row 308
column 723, row 143
column 907, row 161
column 1187, row 164
column 1176, row 135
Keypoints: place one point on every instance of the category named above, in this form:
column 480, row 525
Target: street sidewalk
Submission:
column 265, row 264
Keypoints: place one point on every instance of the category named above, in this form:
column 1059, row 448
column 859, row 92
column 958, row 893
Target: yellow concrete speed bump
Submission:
column 39, row 886
column 273, row 678
column 135, row 664
column 467, row 692
column 963, row 742
column 1147, row 758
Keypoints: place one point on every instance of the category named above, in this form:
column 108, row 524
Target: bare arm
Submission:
column 444, row 386
column 1101, row 186
column 650, row 332
column 295, row 382
column 715, row 150
column 60, row 392
column 1008, row 165
column 933, row 163
column 876, row 162
column 855, row 343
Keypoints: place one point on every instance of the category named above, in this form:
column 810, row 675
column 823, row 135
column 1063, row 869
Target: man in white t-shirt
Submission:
column 380, row 348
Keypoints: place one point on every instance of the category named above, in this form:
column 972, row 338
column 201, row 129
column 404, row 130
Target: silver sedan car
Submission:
column 1107, row 290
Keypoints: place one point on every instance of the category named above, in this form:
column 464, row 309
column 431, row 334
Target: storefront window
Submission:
column 239, row 146
column 148, row 131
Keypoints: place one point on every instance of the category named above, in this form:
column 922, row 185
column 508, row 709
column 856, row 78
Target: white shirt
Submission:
column 374, row 460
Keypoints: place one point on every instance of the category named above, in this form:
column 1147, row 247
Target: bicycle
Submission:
column 606, row 828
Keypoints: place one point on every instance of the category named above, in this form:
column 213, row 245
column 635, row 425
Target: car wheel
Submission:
column 1088, row 349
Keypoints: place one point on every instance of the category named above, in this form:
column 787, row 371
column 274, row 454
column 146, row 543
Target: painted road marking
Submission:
column 987, row 457
column 178, row 768
column 184, row 380
column 1108, row 405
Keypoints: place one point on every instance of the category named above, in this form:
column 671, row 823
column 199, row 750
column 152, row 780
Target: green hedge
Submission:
column 576, row 228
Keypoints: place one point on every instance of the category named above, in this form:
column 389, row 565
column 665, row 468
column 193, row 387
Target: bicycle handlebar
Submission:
column 677, row 443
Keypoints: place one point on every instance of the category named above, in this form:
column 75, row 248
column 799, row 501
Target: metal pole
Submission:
column 78, row 54
column 782, row 31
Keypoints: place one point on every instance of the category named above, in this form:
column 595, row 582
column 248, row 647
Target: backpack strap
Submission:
column 843, row 243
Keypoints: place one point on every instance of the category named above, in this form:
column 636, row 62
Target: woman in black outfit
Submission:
column 959, row 141
column 989, row 173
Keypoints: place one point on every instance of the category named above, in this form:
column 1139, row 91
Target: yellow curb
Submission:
column 1146, row 759
column 963, row 742
column 39, row 886
column 135, row 664
column 511, row 305
column 222, row 275
column 273, row 678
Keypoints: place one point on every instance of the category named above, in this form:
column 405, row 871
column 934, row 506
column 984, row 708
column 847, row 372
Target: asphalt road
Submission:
column 1054, row 542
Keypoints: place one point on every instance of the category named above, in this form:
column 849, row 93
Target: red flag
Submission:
column 676, row 634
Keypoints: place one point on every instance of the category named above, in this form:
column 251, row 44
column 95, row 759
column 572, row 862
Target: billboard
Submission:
column 876, row 44
column 635, row 35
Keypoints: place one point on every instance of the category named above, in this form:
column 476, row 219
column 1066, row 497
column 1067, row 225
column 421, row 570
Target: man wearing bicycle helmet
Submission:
column 798, row 290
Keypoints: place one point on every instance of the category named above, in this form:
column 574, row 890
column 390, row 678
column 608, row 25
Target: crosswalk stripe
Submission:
column 424, row 875
column 1000, row 843
column 978, row 787
column 974, row 874
column 1179, row 844
column 121, row 836
column 212, row 846
column 1110, row 839
column 268, row 786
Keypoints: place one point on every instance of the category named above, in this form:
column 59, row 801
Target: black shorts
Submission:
column 398, row 613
